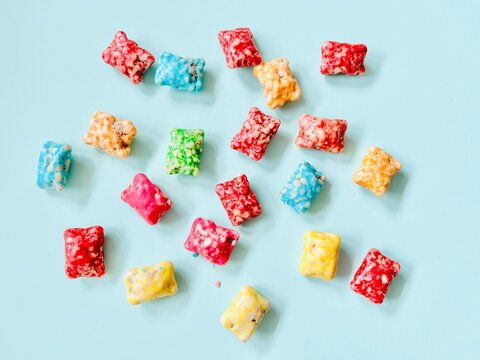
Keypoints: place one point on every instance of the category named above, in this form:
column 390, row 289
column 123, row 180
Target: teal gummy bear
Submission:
column 53, row 165
column 180, row 73
column 303, row 187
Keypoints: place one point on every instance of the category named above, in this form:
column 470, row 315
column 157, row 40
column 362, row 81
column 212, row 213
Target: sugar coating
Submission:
column 147, row 199
column 239, row 48
column 279, row 84
column 374, row 276
column 245, row 313
column 126, row 56
column 239, row 201
column 256, row 133
column 320, row 254
column 111, row 135
column 179, row 72
column 376, row 170
column 212, row 242
column 321, row 133
column 53, row 165
column 303, row 187
column 184, row 151
column 149, row 283
column 84, row 252
column 343, row 58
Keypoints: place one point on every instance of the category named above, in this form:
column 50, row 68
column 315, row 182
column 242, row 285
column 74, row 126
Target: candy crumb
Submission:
column 217, row 284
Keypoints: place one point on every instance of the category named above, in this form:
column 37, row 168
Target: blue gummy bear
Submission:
column 180, row 73
column 53, row 165
column 302, row 188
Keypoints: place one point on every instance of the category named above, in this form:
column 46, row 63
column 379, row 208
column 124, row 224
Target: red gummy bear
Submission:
column 125, row 55
column 256, row 133
column 147, row 199
column 374, row 276
column 343, row 58
column 239, row 48
column 238, row 200
column 84, row 252
column 321, row 133
column 214, row 243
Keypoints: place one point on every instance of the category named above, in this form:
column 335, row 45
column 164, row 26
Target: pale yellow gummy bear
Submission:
column 376, row 170
column 278, row 82
column 150, row 282
column 320, row 254
column 245, row 313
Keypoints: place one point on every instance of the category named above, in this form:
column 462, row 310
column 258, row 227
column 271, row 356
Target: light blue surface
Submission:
column 418, row 101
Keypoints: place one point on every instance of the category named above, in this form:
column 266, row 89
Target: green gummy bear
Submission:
column 184, row 150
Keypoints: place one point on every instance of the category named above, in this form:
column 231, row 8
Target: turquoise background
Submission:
column 418, row 100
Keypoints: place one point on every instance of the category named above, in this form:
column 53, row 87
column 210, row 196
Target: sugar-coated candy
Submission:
column 147, row 199
column 53, row 165
column 320, row 254
column 245, row 313
column 255, row 134
column 179, row 72
column 214, row 243
column 238, row 199
column 321, row 133
column 126, row 56
column 108, row 133
column 184, row 151
column 84, row 252
column 149, row 283
column 376, row 170
column 343, row 58
column 239, row 48
column 279, row 84
column 374, row 276
column 303, row 187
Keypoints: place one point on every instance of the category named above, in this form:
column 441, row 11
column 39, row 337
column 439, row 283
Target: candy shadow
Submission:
column 248, row 79
column 372, row 69
column 143, row 148
column 350, row 149
column 266, row 329
column 239, row 253
column 208, row 169
column 397, row 287
column 208, row 160
column 80, row 180
column 173, row 303
column 148, row 86
column 112, row 249
column 393, row 196
column 237, row 258
column 345, row 261
column 172, row 216
column 275, row 151
column 398, row 184
column 321, row 202
column 206, row 96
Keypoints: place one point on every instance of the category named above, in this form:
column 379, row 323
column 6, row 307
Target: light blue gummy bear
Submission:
column 302, row 188
column 53, row 165
column 180, row 73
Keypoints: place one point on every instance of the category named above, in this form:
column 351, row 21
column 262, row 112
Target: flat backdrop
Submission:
column 418, row 100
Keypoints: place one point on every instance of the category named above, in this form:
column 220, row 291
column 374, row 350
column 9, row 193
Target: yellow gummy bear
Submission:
column 320, row 254
column 150, row 282
column 245, row 313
